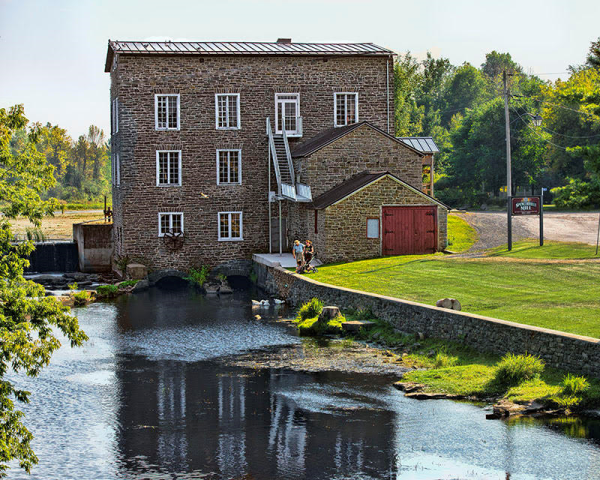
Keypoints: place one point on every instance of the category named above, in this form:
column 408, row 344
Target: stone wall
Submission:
column 342, row 227
column 137, row 201
column 574, row 353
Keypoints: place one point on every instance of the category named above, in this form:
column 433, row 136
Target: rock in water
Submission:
column 329, row 313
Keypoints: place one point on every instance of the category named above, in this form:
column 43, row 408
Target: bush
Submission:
column 574, row 385
column 128, row 283
column 310, row 309
column 513, row 370
column 107, row 291
column 198, row 276
column 577, row 194
column 81, row 298
column 311, row 327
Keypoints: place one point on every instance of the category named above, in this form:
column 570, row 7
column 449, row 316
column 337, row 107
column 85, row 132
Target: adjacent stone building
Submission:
column 215, row 142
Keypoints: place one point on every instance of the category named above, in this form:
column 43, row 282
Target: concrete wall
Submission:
column 94, row 246
column 54, row 257
column 574, row 353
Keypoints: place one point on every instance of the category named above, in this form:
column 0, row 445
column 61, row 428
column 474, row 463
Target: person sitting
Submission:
column 298, row 253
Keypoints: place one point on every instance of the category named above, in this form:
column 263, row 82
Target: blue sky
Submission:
column 52, row 52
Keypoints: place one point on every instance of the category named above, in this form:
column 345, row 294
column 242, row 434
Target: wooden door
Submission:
column 409, row 230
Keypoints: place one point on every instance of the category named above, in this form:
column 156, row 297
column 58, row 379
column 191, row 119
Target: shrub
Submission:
column 311, row 327
column 107, row 291
column 81, row 298
column 310, row 309
column 364, row 314
column 127, row 283
column 574, row 385
column 73, row 286
column 198, row 276
column 577, row 194
column 513, row 370
column 35, row 233
column 122, row 261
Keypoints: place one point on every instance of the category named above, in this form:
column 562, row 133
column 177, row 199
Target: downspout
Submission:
column 269, row 196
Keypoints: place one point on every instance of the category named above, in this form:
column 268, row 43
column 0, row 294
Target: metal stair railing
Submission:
column 274, row 155
column 288, row 156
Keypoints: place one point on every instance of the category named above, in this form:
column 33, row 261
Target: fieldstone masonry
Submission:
column 574, row 353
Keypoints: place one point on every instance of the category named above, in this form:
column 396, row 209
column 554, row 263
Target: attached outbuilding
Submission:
column 374, row 214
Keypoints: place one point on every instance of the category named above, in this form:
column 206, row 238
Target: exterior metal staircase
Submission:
column 279, row 151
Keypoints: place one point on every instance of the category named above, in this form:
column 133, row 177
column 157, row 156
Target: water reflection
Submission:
column 147, row 397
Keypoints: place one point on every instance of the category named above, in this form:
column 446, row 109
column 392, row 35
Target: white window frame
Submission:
column 239, row 117
column 116, row 169
column 239, row 151
column 335, row 95
column 156, row 95
column 230, row 238
column 170, row 214
column 158, row 184
column 289, row 133
column 115, row 115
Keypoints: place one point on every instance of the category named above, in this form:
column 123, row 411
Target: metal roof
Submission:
column 422, row 144
column 330, row 135
column 243, row 48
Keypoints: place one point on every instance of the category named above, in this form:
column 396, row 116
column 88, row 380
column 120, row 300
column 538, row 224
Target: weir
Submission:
column 54, row 257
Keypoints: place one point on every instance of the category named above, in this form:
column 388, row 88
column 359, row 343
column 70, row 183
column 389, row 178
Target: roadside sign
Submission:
column 526, row 205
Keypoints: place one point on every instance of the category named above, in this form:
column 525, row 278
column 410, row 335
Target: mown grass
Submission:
column 549, row 294
column 461, row 235
column 530, row 248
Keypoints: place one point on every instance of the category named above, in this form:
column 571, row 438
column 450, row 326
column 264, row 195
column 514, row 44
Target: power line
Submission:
column 536, row 133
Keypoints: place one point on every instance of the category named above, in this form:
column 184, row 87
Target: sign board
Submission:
column 525, row 205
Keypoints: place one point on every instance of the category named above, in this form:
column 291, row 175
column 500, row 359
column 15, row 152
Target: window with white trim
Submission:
column 168, row 168
column 227, row 111
column 166, row 111
column 170, row 223
column 230, row 226
column 229, row 167
column 372, row 228
column 115, row 115
column 346, row 108
column 116, row 169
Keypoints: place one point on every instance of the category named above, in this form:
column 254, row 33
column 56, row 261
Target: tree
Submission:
column 466, row 89
column 497, row 63
column 27, row 317
column 593, row 58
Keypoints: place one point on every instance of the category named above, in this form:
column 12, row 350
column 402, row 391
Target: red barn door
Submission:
column 409, row 230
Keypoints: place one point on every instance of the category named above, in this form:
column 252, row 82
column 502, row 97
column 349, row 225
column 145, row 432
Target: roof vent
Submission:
column 284, row 40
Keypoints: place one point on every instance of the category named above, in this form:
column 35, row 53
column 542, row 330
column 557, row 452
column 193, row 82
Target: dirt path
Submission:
column 560, row 226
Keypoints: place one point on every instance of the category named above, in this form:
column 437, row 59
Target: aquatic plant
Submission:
column 198, row 276
column 574, row 385
column 82, row 298
column 107, row 291
column 310, row 309
column 128, row 283
column 515, row 369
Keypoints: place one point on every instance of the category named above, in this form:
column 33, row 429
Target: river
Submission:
column 149, row 397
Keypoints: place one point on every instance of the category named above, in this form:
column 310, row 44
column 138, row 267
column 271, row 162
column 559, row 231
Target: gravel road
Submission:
column 564, row 227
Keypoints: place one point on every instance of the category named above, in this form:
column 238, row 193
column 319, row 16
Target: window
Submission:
column 229, row 167
column 346, row 108
column 116, row 169
column 287, row 112
column 227, row 111
column 230, row 226
column 166, row 109
column 170, row 222
column 115, row 115
column 372, row 228
column 168, row 167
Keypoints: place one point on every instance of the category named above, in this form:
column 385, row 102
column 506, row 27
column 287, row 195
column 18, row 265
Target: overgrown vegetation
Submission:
column 128, row 283
column 308, row 323
column 310, row 309
column 107, row 291
column 82, row 298
column 513, row 370
column 198, row 276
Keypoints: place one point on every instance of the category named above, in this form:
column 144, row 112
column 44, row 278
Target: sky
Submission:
column 52, row 52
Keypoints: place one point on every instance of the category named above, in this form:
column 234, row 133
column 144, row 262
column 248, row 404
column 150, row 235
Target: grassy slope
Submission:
column 461, row 236
column 560, row 296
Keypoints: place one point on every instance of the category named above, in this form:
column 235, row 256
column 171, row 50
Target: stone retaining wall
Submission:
column 574, row 353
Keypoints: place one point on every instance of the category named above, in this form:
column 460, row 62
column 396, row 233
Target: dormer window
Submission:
column 166, row 111
column 227, row 111
column 346, row 108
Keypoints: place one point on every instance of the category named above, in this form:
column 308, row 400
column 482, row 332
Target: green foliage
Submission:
column 35, row 234
column 310, row 309
column 515, row 369
column 107, row 291
column 198, row 276
column 577, row 194
column 443, row 360
column 311, row 327
column 221, row 277
column 128, row 283
column 574, row 385
column 73, row 286
column 122, row 261
column 29, row 321
column 82, row 298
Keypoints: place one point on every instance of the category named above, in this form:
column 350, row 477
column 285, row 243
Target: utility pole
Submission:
column 508, row 164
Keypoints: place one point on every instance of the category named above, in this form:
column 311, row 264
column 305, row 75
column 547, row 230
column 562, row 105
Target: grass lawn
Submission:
column 461, row 236
column 59, row 227
column 528, row 285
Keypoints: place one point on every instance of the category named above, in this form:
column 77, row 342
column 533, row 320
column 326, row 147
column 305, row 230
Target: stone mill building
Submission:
column 225, row 149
